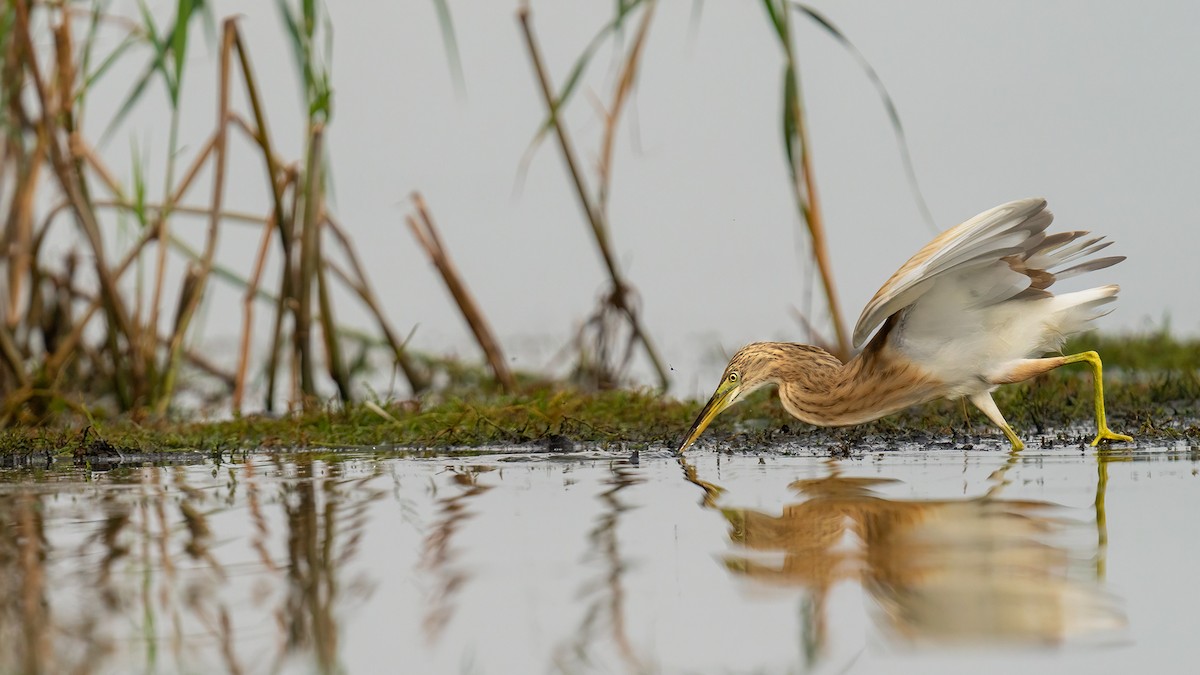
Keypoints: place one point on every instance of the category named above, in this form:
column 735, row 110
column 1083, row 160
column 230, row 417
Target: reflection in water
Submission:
column 24, row 619
column 140, row 576
column 585, row 564
column 438, row 552
column 315, row 512
column 606, row 606
column 958, row 570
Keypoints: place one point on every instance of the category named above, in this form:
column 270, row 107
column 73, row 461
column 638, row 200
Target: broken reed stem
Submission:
column 189, row 301
column 594, row 216
column 417, row 379
column 239, row 386
column 805, row 191
column 427, row 235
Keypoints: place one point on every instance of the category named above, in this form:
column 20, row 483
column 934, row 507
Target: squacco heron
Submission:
column 969, row 312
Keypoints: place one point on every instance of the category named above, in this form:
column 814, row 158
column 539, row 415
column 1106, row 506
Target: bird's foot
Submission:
column 1107, row 434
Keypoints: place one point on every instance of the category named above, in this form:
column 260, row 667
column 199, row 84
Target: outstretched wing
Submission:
column 1015, row 229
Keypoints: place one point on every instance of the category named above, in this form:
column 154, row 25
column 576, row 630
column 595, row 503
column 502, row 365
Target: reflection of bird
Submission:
column 963, row 316
column 938, row 570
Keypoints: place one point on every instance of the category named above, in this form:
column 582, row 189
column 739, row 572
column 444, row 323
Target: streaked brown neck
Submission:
column 821, row 390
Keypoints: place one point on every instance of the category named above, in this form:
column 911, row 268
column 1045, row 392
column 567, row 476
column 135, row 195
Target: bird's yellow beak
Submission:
column 721, row 399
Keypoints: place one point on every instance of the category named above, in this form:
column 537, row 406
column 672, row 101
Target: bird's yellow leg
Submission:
column 988, row 407
column 1103, row 432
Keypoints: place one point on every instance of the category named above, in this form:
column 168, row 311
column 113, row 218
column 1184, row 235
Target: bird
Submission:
column 971, row 311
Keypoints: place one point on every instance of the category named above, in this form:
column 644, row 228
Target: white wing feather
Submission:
column 1006, row 230
column 977, row 295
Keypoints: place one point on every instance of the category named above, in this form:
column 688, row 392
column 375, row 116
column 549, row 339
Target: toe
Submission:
column 1109, row 435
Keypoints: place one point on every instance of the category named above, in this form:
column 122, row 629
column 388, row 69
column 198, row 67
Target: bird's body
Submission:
column 966, row 314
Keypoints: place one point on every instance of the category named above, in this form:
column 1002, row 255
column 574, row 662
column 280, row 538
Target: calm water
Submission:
column 923, row 562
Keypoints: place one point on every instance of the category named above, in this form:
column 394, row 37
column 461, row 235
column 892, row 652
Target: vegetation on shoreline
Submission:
column 94, row 351
column 1152, row 386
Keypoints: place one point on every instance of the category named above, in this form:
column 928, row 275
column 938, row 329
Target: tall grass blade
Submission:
column 156, row 65
column 888, row 104
column 301, row 28
column 800, row 168
column 450, row 41
column 170, row 54
column 579, row 67
column 179, row 35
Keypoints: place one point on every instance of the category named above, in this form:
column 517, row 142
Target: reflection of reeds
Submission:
column 25, row 621
column 607, row 608
column 148, row 583
column 438, row 554
column 324, row 519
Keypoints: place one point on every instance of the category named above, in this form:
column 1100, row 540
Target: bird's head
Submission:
column 752, row 368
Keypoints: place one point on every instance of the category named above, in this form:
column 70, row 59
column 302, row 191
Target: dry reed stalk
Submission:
column 190, row 301
column 278, row 178
column 427, row 235
column 619, row 295
column 69, row 343
column 417, row 380
column 291, row 303
column 333, row 351
column 37, row 297
column 55, row 361
column 12, row 356
column 260, row 261
column 18, row 231
column 71, row 183
column 613, row 114
column 804, row 185
column 310, row 256
column 152, row 207
column 261, row 136
column 193, row 357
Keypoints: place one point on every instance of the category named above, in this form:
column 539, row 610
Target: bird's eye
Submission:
column 733, row 377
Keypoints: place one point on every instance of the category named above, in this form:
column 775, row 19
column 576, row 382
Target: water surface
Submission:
column 920, row 562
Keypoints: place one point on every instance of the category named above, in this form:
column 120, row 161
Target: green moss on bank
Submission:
column 1152, row 391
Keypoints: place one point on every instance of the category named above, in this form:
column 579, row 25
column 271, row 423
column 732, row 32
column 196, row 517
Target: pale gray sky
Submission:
column 1090, row 104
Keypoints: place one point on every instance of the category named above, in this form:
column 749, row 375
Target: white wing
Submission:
column 975, row 299
column 1014, row 228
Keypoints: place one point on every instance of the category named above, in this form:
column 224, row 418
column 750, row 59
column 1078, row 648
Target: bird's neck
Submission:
column 869, row 386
